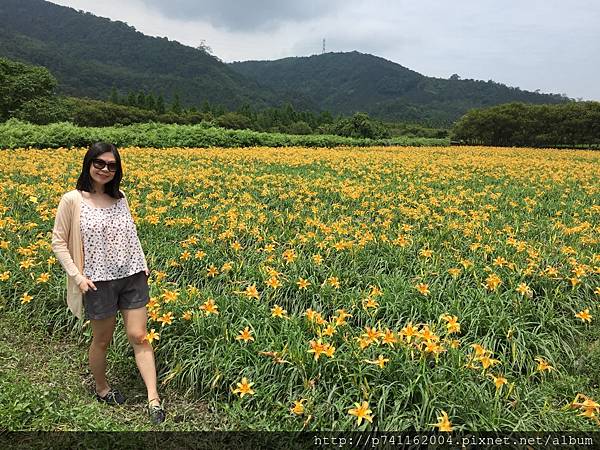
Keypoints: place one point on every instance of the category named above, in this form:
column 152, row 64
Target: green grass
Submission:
column 45, row 385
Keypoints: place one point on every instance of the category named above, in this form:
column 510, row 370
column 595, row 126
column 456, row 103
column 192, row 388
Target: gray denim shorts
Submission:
column 124, row 293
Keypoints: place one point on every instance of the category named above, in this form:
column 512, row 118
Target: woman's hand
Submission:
column 86, row 285
column 147, row 271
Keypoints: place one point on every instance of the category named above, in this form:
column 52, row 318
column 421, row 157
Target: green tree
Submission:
column 131, row 99
column 299, row 127
column 160, row 104
column 140, row 100
column 360, row 125
column 150, row 103
column 218, row 110
column 21, row 83
column 519, row 124
column 44, row 110
column 114, row 96
column 206, row 107
column 234, row 121
column 176, row 105
column 287, row 114
column 96, row 113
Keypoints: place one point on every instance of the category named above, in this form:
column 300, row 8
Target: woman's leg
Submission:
column 102, row 333
column 135, row 326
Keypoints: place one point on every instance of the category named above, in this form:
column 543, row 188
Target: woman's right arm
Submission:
column 60, row 239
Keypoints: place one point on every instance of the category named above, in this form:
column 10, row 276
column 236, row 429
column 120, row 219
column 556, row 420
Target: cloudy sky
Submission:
column 551, row 45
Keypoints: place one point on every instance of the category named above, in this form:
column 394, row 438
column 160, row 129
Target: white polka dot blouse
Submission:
column 111, row 246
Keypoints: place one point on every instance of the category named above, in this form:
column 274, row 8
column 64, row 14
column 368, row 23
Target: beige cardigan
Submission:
column 67, row 245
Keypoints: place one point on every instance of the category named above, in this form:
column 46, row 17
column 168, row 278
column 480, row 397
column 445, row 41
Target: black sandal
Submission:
column 156, row 412
column 112, row 397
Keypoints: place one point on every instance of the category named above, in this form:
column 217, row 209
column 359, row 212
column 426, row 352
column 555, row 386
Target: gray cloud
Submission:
column 244, row 16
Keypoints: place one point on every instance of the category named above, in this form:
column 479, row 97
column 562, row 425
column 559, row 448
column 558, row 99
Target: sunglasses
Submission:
column 101, row 164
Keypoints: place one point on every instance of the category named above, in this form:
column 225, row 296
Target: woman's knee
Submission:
column 136, row 337
column 102, row 342
column 102, row 332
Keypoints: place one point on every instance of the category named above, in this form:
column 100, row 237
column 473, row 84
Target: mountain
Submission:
column 89, row 55
column 347, row 82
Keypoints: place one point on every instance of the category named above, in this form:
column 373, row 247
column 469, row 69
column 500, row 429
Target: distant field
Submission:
column 440, row 288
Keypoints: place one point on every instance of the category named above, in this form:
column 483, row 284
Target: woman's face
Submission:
column 100, row 169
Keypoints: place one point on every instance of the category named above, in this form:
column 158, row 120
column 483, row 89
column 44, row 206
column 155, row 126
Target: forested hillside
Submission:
column 346, row 82
column 89, row 55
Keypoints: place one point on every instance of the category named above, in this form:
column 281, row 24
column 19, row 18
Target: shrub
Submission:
column 233, row 120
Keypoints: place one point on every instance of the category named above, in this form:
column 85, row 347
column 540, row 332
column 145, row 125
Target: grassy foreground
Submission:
column 45, row 384
column 388, row 288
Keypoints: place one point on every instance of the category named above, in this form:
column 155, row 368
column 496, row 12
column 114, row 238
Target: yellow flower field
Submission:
column 423, row 288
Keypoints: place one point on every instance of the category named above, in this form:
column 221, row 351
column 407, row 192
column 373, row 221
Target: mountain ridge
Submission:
column 89, row 55
column 385, row 89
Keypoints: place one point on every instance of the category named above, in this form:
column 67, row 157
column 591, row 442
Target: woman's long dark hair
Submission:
column 84, row 183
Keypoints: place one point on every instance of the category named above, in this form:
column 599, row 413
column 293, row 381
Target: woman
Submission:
column 96, row 242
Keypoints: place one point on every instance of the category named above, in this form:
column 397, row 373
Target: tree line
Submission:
column 573, row 124
column 28, row 93
column 283, row 119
